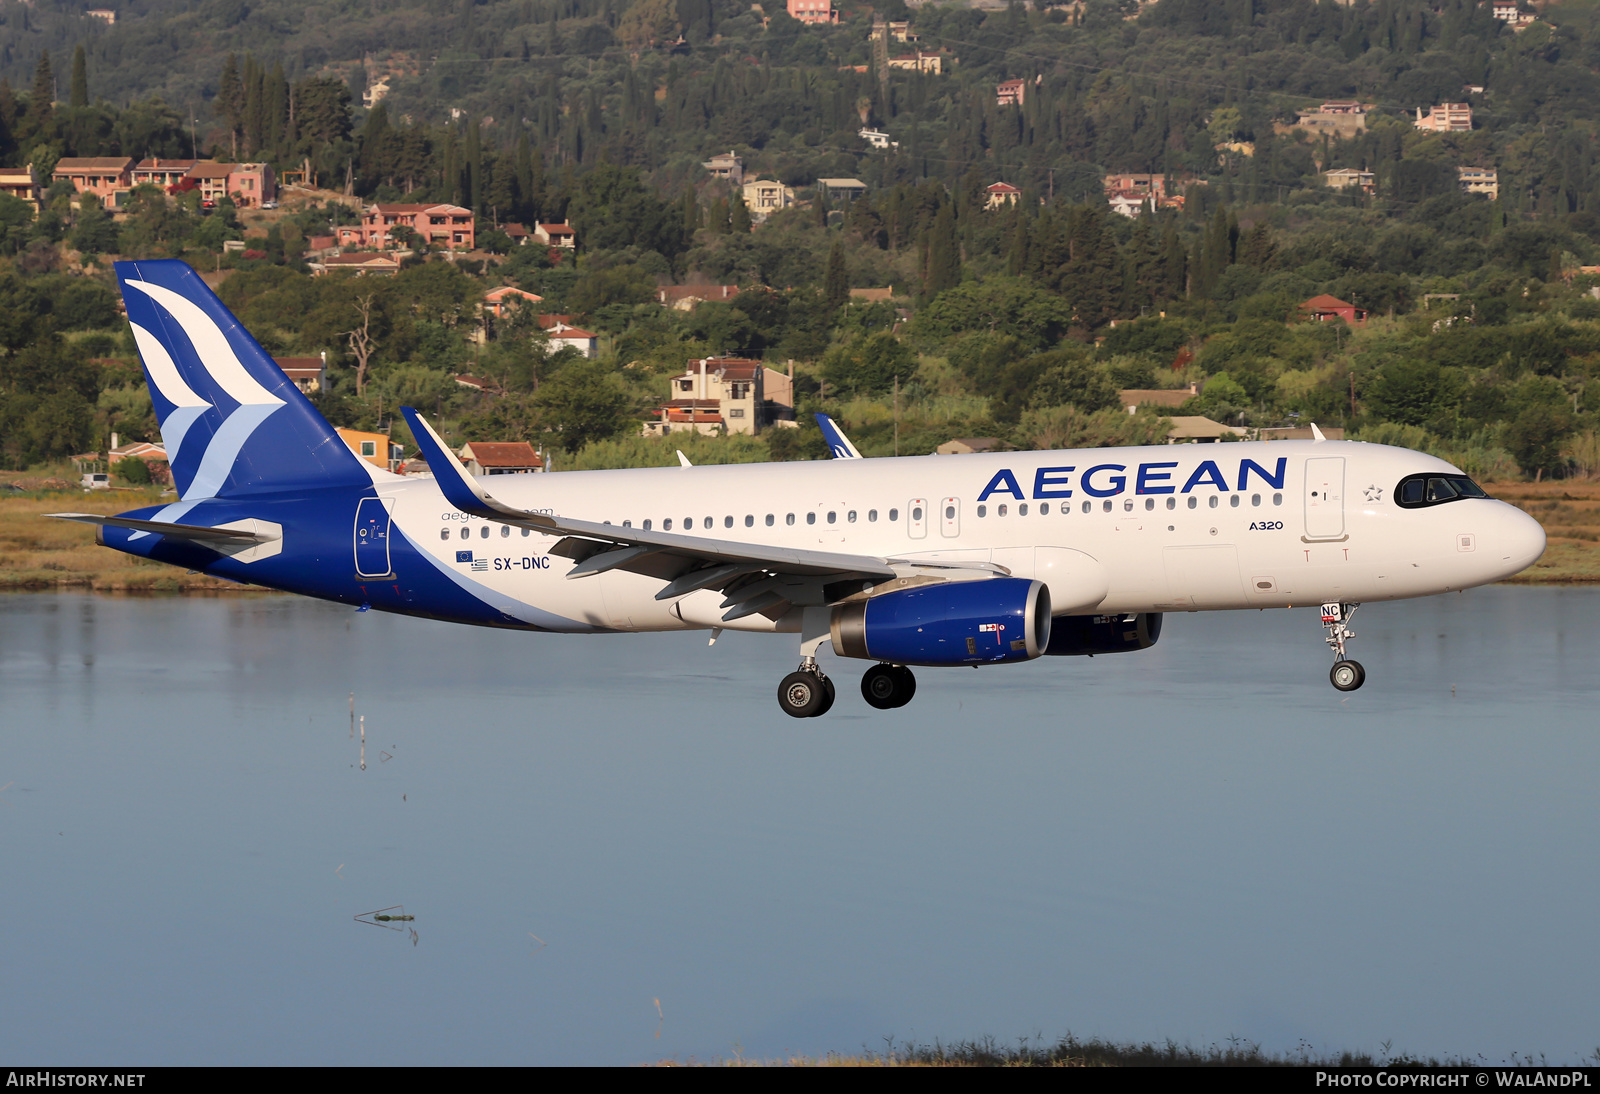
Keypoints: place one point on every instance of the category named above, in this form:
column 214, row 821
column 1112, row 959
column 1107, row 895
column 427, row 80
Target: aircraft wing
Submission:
column 838, row 443
column 757, row 577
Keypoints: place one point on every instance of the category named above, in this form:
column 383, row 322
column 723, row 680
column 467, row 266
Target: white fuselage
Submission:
column 1173, row 528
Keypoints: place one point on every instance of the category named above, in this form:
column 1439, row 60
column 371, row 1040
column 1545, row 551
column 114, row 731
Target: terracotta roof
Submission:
column 94, row 163
column 412, row 210
column 159, row 164
column 205, row 170
column 557, row 229
column 688, row 416
column 548, row 321
column 504, row 454
column 359, row 260
column 1002, row 188
column 494, row 296
column 565, row 331
column 297, row 362
column 1325, row 303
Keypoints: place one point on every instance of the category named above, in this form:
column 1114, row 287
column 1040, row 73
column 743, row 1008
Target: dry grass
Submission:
column 1570, row 512
column 39, row 553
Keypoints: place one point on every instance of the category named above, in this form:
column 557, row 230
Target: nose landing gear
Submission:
column 1346, row 675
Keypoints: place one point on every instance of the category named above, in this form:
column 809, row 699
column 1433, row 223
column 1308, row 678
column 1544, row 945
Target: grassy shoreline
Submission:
column 38, row 553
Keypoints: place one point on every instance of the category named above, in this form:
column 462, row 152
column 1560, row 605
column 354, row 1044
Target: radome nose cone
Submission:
column 1522, row 539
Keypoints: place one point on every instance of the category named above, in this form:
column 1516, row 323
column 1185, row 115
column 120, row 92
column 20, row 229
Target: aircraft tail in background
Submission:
column 232, row 423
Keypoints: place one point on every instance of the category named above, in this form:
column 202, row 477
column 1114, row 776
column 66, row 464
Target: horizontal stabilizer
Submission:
column 196, row 532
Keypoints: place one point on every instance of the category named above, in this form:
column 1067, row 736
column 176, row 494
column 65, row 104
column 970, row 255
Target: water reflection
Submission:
column 1197, row 841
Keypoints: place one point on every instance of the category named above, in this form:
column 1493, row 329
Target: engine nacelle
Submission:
column 1087, row 635
column 952, row 623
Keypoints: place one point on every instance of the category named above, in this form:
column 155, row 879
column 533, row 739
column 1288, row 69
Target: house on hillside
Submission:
column 725, row 165
column 1446, row 118
column 500, row 458
column 163, row 173
column 1348, row 178
column 21, row 183
column 1000, row 194
column 1325, row 309
column 717, row 394
column 763, row 197
column 686, row 297
column 556, row 235
column 443, row 225
column 375, row 448
column 497, row 302
column 1479, row 180
column 1010, row 93
column 380, row 264
column 813, row 11
column 308, row 373
column 103, row 176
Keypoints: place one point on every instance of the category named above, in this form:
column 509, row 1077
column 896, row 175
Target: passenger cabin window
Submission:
column 894, row 514
column 770, row 520
column 646, row 528
column 666, row 525
column 983, row 510
column 1022, row 510
column 465, row 531
column 811, row 518
column 444, row 533
column 1421, row 491
column 1000, row 510
column 789, row 519
column 872, row 515
column 916, row 513
column 749, row 520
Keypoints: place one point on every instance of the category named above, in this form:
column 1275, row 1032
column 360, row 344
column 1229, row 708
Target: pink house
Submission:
column 101, row 176
column 162, row 173
column 248, row 184
column 448, row 226
column 813, row 11
column 1010, row 93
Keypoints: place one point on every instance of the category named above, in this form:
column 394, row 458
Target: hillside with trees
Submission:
column 1020, row 322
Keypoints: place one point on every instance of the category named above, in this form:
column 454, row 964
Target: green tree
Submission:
column 79, row 95
column 836, row 284
column 583, row 402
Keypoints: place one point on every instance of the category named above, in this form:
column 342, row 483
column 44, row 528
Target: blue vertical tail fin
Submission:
column 231, row 421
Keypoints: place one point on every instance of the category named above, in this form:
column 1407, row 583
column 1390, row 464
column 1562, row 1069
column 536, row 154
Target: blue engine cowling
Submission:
column 951, row 623
column 1087, row 635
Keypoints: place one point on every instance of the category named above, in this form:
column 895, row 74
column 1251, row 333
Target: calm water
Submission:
column 1199, row 841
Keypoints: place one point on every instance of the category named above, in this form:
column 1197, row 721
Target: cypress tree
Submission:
column 80, row 78
column 42, row 108
column 836, row 285
column 944, row 254
column 738, row 215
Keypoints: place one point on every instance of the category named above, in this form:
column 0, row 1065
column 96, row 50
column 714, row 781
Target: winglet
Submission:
column 838, row 443
column 458, row 487
column 1317, row 433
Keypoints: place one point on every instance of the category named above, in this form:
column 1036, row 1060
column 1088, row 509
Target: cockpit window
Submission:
column 1420, row 491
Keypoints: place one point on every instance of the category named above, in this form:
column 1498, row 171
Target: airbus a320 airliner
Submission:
column 926, row 561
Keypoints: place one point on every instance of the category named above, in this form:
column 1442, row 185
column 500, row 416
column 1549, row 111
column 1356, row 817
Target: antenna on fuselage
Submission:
column 1317, row 433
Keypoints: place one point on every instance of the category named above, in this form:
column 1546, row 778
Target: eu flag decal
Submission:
column 463, row 556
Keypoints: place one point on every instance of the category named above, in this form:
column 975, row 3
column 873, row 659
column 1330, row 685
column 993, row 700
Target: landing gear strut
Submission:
column 888, row 686
column 806, row 692
column 1346, row 675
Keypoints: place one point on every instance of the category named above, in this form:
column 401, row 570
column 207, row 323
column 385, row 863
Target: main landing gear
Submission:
column 806, row 692
column 1346, row 675
column 888, row 686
